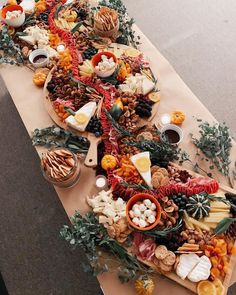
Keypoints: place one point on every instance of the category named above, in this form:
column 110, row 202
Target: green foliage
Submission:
column 165, row 232
column 215, row 144
column 119, row 129
column 161, row 152
column 127, row 36
column 91, row 236
column 57, row 137
column 11, row 51
column 223, row 226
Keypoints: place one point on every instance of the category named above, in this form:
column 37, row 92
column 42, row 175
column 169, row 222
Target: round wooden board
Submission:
column 91, row 158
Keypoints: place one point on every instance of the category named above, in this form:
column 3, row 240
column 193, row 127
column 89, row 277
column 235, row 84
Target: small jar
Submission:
column 70, row 179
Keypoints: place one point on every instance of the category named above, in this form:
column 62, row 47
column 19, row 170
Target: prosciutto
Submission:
column 144, row 247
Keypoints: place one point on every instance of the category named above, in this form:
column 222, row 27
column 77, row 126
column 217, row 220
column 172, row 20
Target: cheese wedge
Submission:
column 147, row 86
column 86, row 112
column 143, row 164
column 201, row 271
column 29, row 39
column 187, row 263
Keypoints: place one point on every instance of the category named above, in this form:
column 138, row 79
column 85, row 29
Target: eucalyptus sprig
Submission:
column 165, row 232
column 161, row 152
column 11, row 51
column 135, row 186
column 91, row 236
column 128, row 36
column 215, row 144
column 223, row 226
column 55, row 136
column 119, row 129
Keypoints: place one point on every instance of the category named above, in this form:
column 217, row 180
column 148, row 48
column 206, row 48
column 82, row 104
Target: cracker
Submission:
column 161, row 252
column 169, row 260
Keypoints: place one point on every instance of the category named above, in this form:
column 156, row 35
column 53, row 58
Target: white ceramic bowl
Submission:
column 35, row 53
column 174, row 128
column 16, row 22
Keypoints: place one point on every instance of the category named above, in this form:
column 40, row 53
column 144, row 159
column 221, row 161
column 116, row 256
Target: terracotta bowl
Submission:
column 141, row 197
column 16, row 22
column 97, row 58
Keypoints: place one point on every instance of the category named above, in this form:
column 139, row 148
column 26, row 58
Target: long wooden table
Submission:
column 175, row 94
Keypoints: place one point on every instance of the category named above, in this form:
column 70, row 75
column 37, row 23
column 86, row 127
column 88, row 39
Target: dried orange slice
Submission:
column 154, row 96
column 143, row 164
column 220, row 289
column 81, row 118
column 206, row 288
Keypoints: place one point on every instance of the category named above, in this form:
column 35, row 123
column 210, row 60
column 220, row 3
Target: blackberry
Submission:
column 44, row 17
column 172, row 241
column 144, row 108
column 82, row 14
column 51, row 86
column 89, row 53
column 180, row 200
column 94, row 126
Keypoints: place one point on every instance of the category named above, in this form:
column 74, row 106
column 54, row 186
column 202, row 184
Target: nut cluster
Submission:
column 82, row 42
column 127, row 149
column 178, row 175
column 169, row 214
column 58, row 163
column 193, row 236
column 129, row 118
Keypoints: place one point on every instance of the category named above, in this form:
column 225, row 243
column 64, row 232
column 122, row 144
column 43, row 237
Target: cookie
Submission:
column 161, row 252
column 164, row 268
column 169, row 260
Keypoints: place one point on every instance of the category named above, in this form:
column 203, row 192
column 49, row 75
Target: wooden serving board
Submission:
column 232, row 263
column 91, row 158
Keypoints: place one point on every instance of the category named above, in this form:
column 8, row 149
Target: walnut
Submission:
column 145, row 136
column 25, row 52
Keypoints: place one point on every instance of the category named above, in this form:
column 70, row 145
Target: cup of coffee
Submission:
column 172, row 133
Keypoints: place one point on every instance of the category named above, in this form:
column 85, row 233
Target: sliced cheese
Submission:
column 187, row 262
column 201, row 271
column 146, row 175
column 218, row 204
column 87, row 111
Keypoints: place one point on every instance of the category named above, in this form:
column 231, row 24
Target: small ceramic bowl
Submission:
column 140, row 197
column 16, row 22
column 174, row 128
column 36, row 53
column 97, row 58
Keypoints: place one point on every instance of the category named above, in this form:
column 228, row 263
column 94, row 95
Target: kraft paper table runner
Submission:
column 174, row 95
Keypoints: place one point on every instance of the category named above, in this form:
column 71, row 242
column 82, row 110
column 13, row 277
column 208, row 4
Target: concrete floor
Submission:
column 198, row 38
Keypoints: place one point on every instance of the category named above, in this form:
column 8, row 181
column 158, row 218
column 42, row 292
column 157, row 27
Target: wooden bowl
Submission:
column 140, row 197
column 97, row 58
column 16, row 22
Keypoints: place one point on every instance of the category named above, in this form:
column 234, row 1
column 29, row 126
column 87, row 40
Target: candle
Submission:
column 165, row 119
column 60, row 48
column 101, row 182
